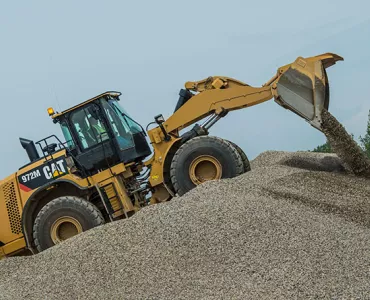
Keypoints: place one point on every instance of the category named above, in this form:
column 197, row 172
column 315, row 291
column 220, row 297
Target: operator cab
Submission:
column 99, row 133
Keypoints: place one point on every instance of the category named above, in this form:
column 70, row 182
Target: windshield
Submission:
column 134, row 127
column 121, row 128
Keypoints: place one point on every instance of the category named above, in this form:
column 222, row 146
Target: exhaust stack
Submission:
column 30, row 148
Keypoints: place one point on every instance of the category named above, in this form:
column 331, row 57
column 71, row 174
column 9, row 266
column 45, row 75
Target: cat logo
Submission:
column 155, row 177
column 55, row 170
column 50, row 170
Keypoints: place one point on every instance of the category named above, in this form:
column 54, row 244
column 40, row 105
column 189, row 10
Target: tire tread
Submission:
column 192, row 144
column 67, row 201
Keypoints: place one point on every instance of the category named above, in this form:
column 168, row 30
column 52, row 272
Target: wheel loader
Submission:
column 108, row 167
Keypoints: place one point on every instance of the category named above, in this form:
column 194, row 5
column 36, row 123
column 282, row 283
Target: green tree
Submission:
column 365, row 141
column 327, row 148
column 323, row 148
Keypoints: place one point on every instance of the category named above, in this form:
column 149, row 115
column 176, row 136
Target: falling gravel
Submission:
column 295, row 227
column 354, row 159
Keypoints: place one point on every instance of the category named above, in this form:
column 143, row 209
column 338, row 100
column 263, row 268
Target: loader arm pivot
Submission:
column 301, row 87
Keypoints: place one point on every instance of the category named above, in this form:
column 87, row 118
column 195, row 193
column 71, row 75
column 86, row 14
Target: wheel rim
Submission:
column 205, row 168
column 64, row 228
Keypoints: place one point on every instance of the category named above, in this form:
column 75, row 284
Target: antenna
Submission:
column 53, row 86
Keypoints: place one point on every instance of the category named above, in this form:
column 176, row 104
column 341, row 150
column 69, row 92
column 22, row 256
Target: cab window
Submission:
column 67, row 135
column 91, row 131
column 120, row 127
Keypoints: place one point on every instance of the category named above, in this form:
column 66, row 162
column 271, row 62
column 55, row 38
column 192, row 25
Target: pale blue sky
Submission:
column 59, row 54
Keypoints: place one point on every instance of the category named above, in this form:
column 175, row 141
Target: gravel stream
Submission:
column 353, row 158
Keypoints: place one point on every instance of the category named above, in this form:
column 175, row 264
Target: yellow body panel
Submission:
column 13, row 247
column 114, row 176
column 161, row 149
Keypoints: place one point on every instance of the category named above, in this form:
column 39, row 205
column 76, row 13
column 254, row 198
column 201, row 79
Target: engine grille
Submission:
column 12, row 207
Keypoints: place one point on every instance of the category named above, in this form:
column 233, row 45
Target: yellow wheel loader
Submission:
column 105, row 170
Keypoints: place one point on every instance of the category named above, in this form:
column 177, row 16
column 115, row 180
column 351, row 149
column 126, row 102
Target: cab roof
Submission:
column 112, row 94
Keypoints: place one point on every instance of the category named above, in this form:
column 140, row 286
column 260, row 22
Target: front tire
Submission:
column 63, row 218
column 202, row 159
column 246, row 162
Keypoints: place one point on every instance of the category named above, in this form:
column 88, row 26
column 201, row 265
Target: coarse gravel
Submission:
column 295, row 227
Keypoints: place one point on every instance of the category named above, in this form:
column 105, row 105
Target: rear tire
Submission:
column 63, row 218
column 202, row 159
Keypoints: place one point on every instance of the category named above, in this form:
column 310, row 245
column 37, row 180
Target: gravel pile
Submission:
column 295, row 227
column 354, row 160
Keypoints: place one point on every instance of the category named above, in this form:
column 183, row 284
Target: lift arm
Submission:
column 301, row 87
column 216, row 101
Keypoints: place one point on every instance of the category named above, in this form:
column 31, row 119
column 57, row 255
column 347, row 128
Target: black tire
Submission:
column 227, row 156
column 246, row 163
column 85, row 213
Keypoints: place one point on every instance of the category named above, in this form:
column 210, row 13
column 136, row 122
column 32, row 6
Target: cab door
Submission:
column 97, row 150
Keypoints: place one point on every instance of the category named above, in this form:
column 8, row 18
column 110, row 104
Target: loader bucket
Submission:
column 303, row 86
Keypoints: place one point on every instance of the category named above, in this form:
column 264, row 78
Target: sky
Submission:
column 61, row 53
